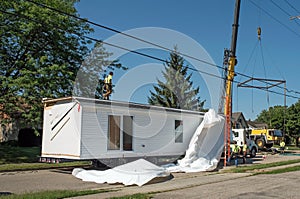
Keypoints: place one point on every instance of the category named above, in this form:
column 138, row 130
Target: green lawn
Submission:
column 283, row 170
column 13, row 154
column 26, row 158
column 261, row 166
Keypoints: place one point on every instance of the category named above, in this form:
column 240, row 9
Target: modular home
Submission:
column 83, row 129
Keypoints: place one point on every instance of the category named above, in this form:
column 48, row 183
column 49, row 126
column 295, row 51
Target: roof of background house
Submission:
column 258, row 125
column 235, row 116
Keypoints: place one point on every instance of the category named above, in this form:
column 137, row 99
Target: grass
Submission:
column 14, row 154
column 14, row 158
column 283, row 170
column 52, row 194
column 262, row 166
column 35, row 166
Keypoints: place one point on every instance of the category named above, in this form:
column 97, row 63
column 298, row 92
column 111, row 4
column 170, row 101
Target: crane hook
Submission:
column 258, row 32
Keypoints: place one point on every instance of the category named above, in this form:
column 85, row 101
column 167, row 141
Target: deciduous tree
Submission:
column 293, row 120
column 40, row 54
column 276, row 115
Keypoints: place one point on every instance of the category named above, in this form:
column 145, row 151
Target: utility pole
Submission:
column 229, row 80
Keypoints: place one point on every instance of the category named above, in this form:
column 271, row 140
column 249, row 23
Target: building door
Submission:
column 127, row 133
column 114, row 132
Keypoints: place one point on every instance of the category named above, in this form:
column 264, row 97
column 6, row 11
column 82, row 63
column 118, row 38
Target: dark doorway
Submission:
column 127, row 133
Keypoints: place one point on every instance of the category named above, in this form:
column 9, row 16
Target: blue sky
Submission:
column 209, row 23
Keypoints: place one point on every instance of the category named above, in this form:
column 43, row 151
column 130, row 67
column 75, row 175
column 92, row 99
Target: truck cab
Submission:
column 241, row 136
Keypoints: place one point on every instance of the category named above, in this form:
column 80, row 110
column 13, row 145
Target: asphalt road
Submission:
column 191, row 185
column 34, row 181
column 284, row 185
column 198, row 185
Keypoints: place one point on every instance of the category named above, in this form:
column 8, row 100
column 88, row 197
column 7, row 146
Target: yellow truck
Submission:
column 266, row 138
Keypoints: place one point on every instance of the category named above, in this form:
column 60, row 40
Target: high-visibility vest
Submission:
column 108, row 79
column 282, row 144
column 245, row 147
column 236, row 148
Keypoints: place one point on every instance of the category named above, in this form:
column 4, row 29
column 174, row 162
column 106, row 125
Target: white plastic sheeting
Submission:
column 138, row 172
column 203, row 154
column 205, row 148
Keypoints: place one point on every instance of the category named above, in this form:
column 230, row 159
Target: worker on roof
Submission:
column 108, row 86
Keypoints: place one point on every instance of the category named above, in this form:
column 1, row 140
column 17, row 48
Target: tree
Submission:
column 293, row 120
column 40, row 54
column 89, row 82
column 177, row 91
column 274, row 117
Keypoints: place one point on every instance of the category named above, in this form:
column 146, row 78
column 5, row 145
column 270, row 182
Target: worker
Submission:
column 244, row 151
column 235, row 152
column 282, row 146
column 108, row 86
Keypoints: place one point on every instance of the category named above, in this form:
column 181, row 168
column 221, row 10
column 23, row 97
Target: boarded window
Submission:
column 178, row 131
column 114, row 132
column 127, row 133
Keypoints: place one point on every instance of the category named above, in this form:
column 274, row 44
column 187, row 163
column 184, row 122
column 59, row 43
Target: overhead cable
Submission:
column 149, row 56
column 139, row 39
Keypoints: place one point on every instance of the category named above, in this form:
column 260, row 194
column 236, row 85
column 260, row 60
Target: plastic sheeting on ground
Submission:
column 203, row 154
column 205, row 148
column 138, row 172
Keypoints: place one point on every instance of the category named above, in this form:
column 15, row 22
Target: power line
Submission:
column 298, row 12
column 136, row 38
column 284, row 11
column 122, row 33
column 274, row 18
column 113, row 45
column 280, row 8
column 146, row 55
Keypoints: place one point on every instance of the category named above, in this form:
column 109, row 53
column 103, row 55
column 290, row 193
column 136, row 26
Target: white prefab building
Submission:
column 82, row 128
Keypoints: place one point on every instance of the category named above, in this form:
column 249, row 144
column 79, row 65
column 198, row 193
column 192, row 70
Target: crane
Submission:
column 229, row 80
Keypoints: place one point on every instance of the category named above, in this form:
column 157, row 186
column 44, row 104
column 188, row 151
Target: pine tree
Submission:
column 177, row 91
